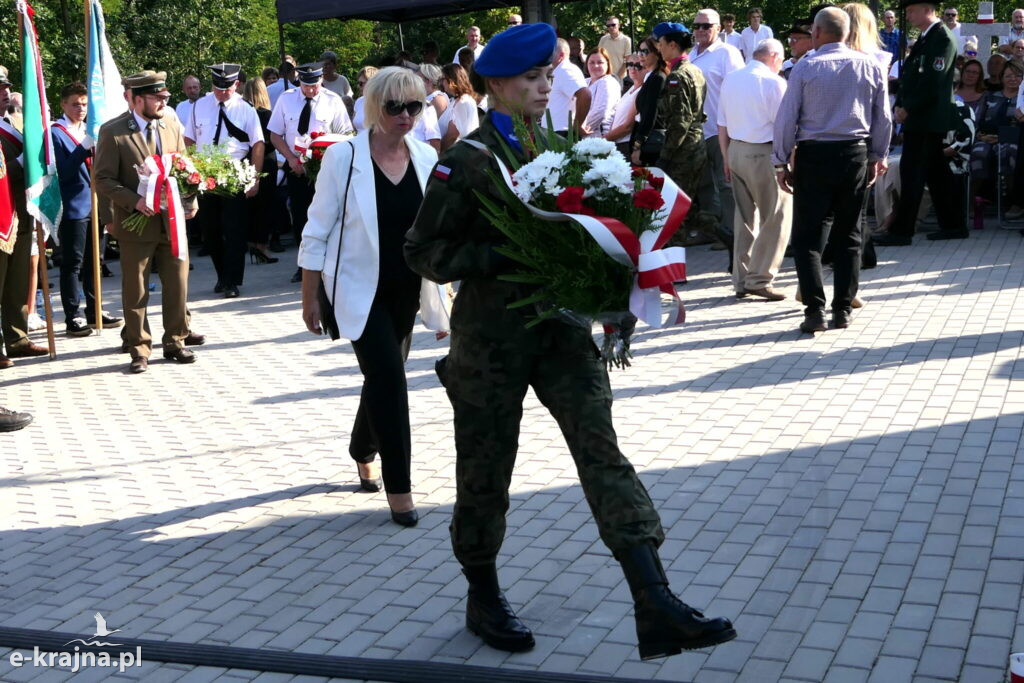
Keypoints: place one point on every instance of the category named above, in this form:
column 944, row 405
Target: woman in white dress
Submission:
column 432, row 76
column 605, row 91
column 461, row 117
column 624, row 113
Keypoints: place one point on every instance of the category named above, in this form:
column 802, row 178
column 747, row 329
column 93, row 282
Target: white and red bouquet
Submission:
column 311, row 148
column 589, row 231
column 163, row 180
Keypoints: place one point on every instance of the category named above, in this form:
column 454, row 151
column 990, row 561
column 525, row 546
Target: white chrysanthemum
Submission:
column 593, row 148
column 610, row 173
column 541, row 174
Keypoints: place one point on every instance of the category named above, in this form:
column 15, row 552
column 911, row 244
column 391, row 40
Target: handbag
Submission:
column 327, row 319
column 650, row 151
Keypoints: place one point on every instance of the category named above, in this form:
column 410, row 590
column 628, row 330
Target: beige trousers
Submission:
column 137, row 259
column 763, row 216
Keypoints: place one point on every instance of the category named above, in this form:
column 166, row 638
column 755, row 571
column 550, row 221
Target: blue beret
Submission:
column 666, row 27
column 517, row 50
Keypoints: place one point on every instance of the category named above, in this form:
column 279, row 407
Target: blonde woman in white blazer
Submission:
column 375, row 295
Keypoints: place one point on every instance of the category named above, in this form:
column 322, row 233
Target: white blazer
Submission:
column 360, row 248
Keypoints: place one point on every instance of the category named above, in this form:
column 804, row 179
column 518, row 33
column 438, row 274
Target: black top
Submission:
column 647, row 105
column 397, row 206
column 269, row 157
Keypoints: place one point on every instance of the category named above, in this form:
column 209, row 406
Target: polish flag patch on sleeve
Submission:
column 441, row 172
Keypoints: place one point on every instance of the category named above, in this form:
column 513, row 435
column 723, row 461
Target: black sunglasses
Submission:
column 634, row 65
column 610, row 25
column 392, row 108
column 643, row 52
column 706, row 27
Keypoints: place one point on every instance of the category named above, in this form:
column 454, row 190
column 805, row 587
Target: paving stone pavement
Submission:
column 854, row 501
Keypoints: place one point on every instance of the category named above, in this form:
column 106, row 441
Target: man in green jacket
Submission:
column 925, row 107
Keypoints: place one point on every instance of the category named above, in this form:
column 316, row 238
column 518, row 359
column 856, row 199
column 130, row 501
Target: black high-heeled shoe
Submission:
column 258, row 257
column 407, row 518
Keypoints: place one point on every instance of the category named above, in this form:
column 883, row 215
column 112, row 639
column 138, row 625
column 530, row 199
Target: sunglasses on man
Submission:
column 611, row 25
column 392, row 108
column 703, row 27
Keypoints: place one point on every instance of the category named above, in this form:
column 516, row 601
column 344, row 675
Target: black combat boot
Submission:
column 489, row 615
column 665, row 625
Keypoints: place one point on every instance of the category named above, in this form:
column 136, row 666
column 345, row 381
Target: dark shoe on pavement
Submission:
column 28, row 350
column 813, row 322
column 767, row 293
column 298, row 276
column 275, row 245
column 11, row 421
column 77, row 327
column 218, row 288
column 181, row 355
column 138, row 365
column 231, row 292
column 948, row 235
column 840, row 320
column 407, row 518
column 5, row 362
column 489, row 615
column 109, row 322
column 194, row 339
column 742, row 295
column 891, row 240
column 665, row 625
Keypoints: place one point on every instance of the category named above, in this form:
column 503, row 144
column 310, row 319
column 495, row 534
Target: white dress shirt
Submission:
column 426, row 128
column 476, row 52
column 734, row 39
column 625, row 109
column 202, row 126
column 278, row 88
column 604, row 94
column 749, row 102
column 184, row 110
column 715, row 62
column 328, row 115
column 567, row 81
column 751, row 39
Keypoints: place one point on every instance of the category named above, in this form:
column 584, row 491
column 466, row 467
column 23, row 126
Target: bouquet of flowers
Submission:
column 589, row 231
column 154, row 175
column 222, row 174
column 311, row 149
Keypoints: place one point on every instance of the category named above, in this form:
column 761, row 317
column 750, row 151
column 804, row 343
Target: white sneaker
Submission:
column 35, row 322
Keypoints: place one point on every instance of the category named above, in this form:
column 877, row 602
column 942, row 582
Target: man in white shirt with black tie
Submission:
column 224, row 120
column 746, row 119
column 310, row 108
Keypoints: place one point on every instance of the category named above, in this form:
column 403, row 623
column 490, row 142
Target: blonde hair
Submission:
column 255, row 93
column 863, row 28
column 432, row 72
column 391, row 84
column 368, row 71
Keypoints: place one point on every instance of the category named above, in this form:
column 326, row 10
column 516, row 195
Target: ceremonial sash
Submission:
column 11, row 134
column 7, row 234
column 655, row 268
column 159, row 188
column 74, row 139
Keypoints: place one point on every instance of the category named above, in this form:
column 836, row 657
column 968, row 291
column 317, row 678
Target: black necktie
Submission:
column 233, row 130
column 307, row 109
column 220, row 120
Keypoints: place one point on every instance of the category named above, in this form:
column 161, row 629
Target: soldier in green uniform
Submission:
column 494, row 359
column 924, row 105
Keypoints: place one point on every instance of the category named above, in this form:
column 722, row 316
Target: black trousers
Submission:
column 829, row 178
column 382, row 421
column 263, row 210
column 225, row 225
column 300, row 196
column 75, row 280
column 923, row 162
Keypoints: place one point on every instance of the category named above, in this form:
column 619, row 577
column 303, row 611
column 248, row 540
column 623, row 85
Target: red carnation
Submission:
column 211, row 183
column 315, row 134
column 642, row 172
column 194, row 178
column 648, row 199
column 570, row 200
column 657, row 182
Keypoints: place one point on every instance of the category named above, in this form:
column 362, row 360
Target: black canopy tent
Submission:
column 397, row 11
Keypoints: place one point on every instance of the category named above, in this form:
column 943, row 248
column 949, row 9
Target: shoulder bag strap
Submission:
column 341, row 228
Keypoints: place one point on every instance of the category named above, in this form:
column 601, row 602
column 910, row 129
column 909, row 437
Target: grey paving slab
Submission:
column 853, row 500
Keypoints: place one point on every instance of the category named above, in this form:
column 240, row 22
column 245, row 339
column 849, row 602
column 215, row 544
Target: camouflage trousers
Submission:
column 688, row 174
column 486, row 382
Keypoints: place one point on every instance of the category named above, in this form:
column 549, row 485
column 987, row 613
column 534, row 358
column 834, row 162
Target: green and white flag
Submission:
column 41, row 188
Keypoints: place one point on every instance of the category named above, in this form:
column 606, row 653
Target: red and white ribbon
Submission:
column 656, row 268
column 160, row 188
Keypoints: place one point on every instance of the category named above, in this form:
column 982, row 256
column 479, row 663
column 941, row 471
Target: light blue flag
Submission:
column 106, row 94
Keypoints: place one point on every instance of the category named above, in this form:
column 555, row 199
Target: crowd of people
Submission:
column 776, row 154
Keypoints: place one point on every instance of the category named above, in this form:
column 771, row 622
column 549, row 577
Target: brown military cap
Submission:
column 147, row 82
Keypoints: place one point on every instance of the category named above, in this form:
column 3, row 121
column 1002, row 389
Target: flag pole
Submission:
column 45, row 284
column 94, row 223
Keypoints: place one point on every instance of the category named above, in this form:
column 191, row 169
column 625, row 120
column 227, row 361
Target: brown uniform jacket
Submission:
column 120, row 149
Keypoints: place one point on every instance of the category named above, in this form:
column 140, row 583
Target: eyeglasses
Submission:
column 611, row 25
column 392, row 108
column 703, row 27
column 634, row 65
column 643, row 52
column 949, row 14
column 514, row 23
column 161, row 98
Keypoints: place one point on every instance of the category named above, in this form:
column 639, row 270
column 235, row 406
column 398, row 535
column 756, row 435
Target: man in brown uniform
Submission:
column 16, row 249
column 125, row 142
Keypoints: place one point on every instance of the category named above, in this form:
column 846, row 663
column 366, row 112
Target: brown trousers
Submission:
column 137, row 259
column 14, row 271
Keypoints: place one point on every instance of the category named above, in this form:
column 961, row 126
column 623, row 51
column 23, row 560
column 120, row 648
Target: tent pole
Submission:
column 632, row 25
column 401, row 38
column 280, row 41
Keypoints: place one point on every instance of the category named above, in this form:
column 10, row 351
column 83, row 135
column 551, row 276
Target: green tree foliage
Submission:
column 181, row 36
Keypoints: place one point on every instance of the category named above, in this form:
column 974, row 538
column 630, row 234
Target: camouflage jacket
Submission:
column 681, row 111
